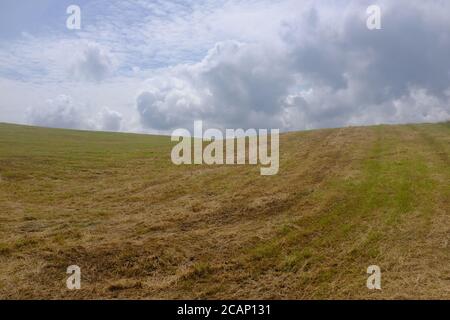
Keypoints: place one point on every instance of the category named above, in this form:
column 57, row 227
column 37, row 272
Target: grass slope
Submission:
column 141, row 227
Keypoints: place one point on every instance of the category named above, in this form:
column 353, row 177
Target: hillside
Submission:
column 140, row 227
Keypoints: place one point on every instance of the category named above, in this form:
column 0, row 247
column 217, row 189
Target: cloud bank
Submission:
column 63, row 112
column 326, row 70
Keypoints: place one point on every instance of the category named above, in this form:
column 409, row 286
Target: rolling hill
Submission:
column 140, row 227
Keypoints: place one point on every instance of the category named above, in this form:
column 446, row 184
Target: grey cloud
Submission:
column 367, row 71
column 332, row 71
column 234, row 85
column 410, row 51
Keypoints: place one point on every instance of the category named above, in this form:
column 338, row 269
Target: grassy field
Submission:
column 141, row 227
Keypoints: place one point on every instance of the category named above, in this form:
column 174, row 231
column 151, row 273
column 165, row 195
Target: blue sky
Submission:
column 154, row 66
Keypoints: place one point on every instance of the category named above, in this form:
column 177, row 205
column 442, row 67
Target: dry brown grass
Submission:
column 140, row 227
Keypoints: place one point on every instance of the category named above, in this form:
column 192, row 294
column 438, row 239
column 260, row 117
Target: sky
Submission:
column 155, row 66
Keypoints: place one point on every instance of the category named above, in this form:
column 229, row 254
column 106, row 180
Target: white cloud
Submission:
column 56, row 60
column 60, row 112
column 93, row 63
column 63, row 112
column 421, row 106
column 110, row 120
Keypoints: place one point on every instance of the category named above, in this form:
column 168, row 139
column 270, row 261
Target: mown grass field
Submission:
column 141, row 227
